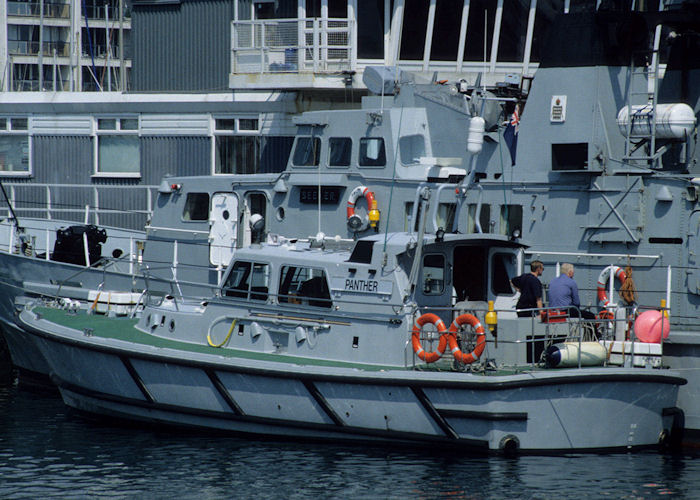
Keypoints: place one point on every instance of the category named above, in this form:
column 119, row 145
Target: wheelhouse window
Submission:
column 503, row 266
column 446, row 215
column 248, row 280
column 196, row 207
column 118, row 147
column 484, row 218
column 305, row 286
column 411, row 149
column 511, row 220
column 237, row 145
column 433, row 274
column 14, row 146
column 307, row 152
column 372, row 152
column 340, row 151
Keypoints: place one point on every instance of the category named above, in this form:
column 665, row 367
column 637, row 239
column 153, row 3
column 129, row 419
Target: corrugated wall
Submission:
column 122, row 202
column 182, row 47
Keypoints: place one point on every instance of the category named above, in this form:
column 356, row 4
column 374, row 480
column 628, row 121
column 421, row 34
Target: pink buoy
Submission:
column 648, row 325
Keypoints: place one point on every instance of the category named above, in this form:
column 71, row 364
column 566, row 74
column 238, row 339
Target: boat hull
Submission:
column 539, row 411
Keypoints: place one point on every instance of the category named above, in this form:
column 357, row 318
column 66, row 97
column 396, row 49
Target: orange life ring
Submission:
column 429, row 357
column 355, row 221
column 603, row 281
column 466, row 319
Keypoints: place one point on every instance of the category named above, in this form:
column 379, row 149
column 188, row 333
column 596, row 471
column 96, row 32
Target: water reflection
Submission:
column 47, row 450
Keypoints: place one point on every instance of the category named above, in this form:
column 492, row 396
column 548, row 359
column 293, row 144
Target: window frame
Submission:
column 235, row 131
column 118, row 131
column 9, row 129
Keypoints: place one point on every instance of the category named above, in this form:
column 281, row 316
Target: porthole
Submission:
column 172, row 325
column 280, row 214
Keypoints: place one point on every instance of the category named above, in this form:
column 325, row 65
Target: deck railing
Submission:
column 48, row 201
column 306, row 45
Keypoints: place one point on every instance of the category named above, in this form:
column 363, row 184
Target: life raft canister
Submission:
column 429, row 357
column 466, row 319
column 355, row 222
column 603, row 281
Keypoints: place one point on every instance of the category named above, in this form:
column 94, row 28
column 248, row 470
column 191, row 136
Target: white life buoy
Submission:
column 355, row 222
column 603, row 282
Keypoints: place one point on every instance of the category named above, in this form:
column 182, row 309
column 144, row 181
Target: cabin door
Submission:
column 223, row 228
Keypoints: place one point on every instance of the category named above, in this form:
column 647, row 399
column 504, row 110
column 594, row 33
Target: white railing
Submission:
column 292, row 46
column 26, row 201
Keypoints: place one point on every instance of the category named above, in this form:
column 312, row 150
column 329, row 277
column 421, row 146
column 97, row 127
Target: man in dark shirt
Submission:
column 530, row 289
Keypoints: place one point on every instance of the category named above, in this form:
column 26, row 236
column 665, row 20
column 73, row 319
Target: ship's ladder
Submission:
column 644, row 66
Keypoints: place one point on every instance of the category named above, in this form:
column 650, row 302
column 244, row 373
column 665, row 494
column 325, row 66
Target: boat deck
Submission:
column 124, row 329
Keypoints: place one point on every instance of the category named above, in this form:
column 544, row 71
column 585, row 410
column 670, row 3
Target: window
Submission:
column 196, row 207
column 433, row 274
column 248, row 280
column 372, row 152
column 14, row 146
column 503, row 265
column 340, row 151
column 237, row 145
column 237, row 154
column 118, row 147
column 484, row 219
column 446, row 215
column 304, row 285
column 307, row 152
column 511, row 219
column 411, row 148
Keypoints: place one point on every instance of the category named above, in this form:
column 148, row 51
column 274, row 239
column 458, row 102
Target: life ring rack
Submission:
column 354, row 221
column 466, row 319
column 603, row 281
column 429, row 357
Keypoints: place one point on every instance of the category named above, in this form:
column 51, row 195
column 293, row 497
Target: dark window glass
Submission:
column 511, row 219
column 546, row 12
column 502, row 266
column 448, row 19
column 413, row 31
column 237, row 154
column 307, row 152
column 511, row 43
column 226, row 124
column 372, row 152
column 340, row 151
column 370, row 29
column 196, row 207
column 305, row 286
column 433, row 274
column 474, row 44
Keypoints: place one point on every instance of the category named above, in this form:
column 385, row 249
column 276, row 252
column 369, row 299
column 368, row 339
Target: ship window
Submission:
column 411, row 148
column 248, row 124
column 484, row 218
column 433, row 274
column 446, row 215
column 570, row 156
column 503, row 265
column 340, row 150
column 372, row 152
column 511, row 219
column 196, row 207
column 19, row 124
column 307, row 152
column 248, row 280
column 305, row 286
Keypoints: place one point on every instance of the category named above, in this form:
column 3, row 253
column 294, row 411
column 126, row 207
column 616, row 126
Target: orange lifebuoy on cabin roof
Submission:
column 466, row 319
column 429, row 357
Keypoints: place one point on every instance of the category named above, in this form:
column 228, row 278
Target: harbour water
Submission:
column 50, row 451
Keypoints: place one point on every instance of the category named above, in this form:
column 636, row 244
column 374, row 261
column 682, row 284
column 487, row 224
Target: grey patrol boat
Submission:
column 342, row 340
